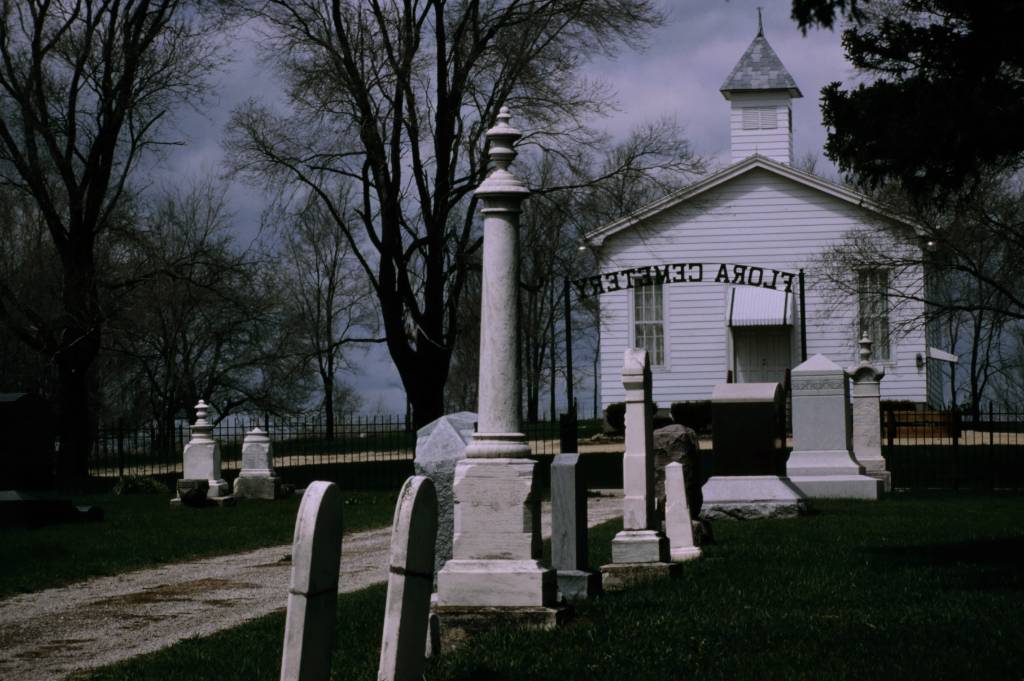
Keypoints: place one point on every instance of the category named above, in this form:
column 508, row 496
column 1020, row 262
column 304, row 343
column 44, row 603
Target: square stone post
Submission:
column 867, row 417
column 639, row 551
column 821, row 463
column 569, row 540
column 495, row 574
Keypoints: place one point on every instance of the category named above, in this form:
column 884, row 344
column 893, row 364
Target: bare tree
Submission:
column 84, row 88
column 395, row 97
column 956, row 268
column 334, row 309
column 204, row 317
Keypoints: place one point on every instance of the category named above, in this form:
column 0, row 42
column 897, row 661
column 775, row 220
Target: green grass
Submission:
column 143, row 530
column 910, row 587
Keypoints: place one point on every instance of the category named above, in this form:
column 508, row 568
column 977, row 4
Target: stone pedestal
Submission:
column 867, row 422
column 257, row 479
column 821, row 464
column 440, row 446
column 639, row 551
column 751, row 497
column 202, row 455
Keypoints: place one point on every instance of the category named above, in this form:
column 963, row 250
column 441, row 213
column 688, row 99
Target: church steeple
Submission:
column 760, row 91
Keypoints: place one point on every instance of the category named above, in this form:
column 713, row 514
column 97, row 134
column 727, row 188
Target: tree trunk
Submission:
column 77, row 349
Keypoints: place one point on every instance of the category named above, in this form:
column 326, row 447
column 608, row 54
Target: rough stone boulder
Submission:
column 678, row 443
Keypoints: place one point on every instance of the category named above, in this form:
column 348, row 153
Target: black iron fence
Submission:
column 356, row 452
column 954, row 448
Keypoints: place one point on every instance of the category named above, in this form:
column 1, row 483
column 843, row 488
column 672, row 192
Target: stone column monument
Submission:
column 202, row 460
column 494, row 574
column 639, row 551
column 867, row 423
column 821, row 463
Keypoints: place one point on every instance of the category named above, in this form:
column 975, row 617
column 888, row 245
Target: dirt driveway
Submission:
column 49, row 634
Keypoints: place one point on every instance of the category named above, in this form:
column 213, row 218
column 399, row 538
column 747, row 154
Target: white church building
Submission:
column 707, row 279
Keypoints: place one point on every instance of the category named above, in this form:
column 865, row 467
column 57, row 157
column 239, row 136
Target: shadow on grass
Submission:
column 985, row 564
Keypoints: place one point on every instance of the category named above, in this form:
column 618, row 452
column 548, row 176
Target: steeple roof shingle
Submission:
column 759, row 69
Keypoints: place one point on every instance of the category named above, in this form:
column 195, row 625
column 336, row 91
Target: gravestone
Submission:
column 440, row 445
column 569, row 529
column 202, row 458
column 678, row 522
column 748, row 438
column 640, row 550
column 821, row 464
column 257, row 479
column 313, row 590
column 410, row 582
column 678, row 444
column 867, row 417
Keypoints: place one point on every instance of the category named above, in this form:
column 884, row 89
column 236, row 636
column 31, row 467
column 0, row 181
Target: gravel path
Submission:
column 49, row 634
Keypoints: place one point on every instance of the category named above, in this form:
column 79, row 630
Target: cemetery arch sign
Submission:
column 678, row 273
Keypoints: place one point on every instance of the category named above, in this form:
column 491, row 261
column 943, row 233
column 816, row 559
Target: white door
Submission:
column 761, row 354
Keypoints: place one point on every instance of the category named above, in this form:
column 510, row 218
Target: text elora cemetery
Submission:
column 684, row 272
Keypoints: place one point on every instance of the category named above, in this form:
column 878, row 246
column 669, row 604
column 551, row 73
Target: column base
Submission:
column 751, row 497
column 681, row 555
column 460, row 624
column 258, row 487
column 622, row 576
column 477, row 583
column 838, row 486
column 575, row 585
column 639, row 546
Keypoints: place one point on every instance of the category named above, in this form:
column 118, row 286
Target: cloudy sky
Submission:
column 677, row 75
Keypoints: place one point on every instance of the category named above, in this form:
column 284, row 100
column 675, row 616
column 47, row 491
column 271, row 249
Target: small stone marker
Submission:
column 410, row 582
column 202, row 458
column 440, row 445
column 821, row 464
column 569, row 529
column 257, row 479
column 678, row 524
column 639, row 551
column 313, row 593
column 867, row 437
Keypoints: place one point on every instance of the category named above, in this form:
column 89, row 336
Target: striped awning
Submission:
column 752, row 306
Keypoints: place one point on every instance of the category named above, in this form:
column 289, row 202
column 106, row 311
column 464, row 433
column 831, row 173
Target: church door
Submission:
column 761, row 354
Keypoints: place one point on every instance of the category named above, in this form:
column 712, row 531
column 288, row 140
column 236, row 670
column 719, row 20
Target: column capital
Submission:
column 501, row 152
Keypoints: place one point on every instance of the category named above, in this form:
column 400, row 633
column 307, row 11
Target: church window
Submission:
column 873, row 303
column 648, row 322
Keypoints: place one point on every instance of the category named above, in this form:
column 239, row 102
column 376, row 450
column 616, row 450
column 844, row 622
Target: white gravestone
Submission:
column 313, row 591
column 202, row 454
column 639, row 551
column 821, row 464
column 867, row 417
column 494, row 574
column 569, row 529
column 678, row 524
column 410, row 582
column 257, row 479
column 440, row 445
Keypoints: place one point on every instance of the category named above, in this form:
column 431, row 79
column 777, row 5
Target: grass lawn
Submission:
column 910, row 587
column 143, row 530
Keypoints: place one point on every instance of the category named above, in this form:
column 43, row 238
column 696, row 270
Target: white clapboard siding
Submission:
column 758, row 218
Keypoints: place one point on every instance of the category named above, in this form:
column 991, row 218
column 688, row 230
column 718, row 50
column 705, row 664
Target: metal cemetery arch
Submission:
column 673, row 273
